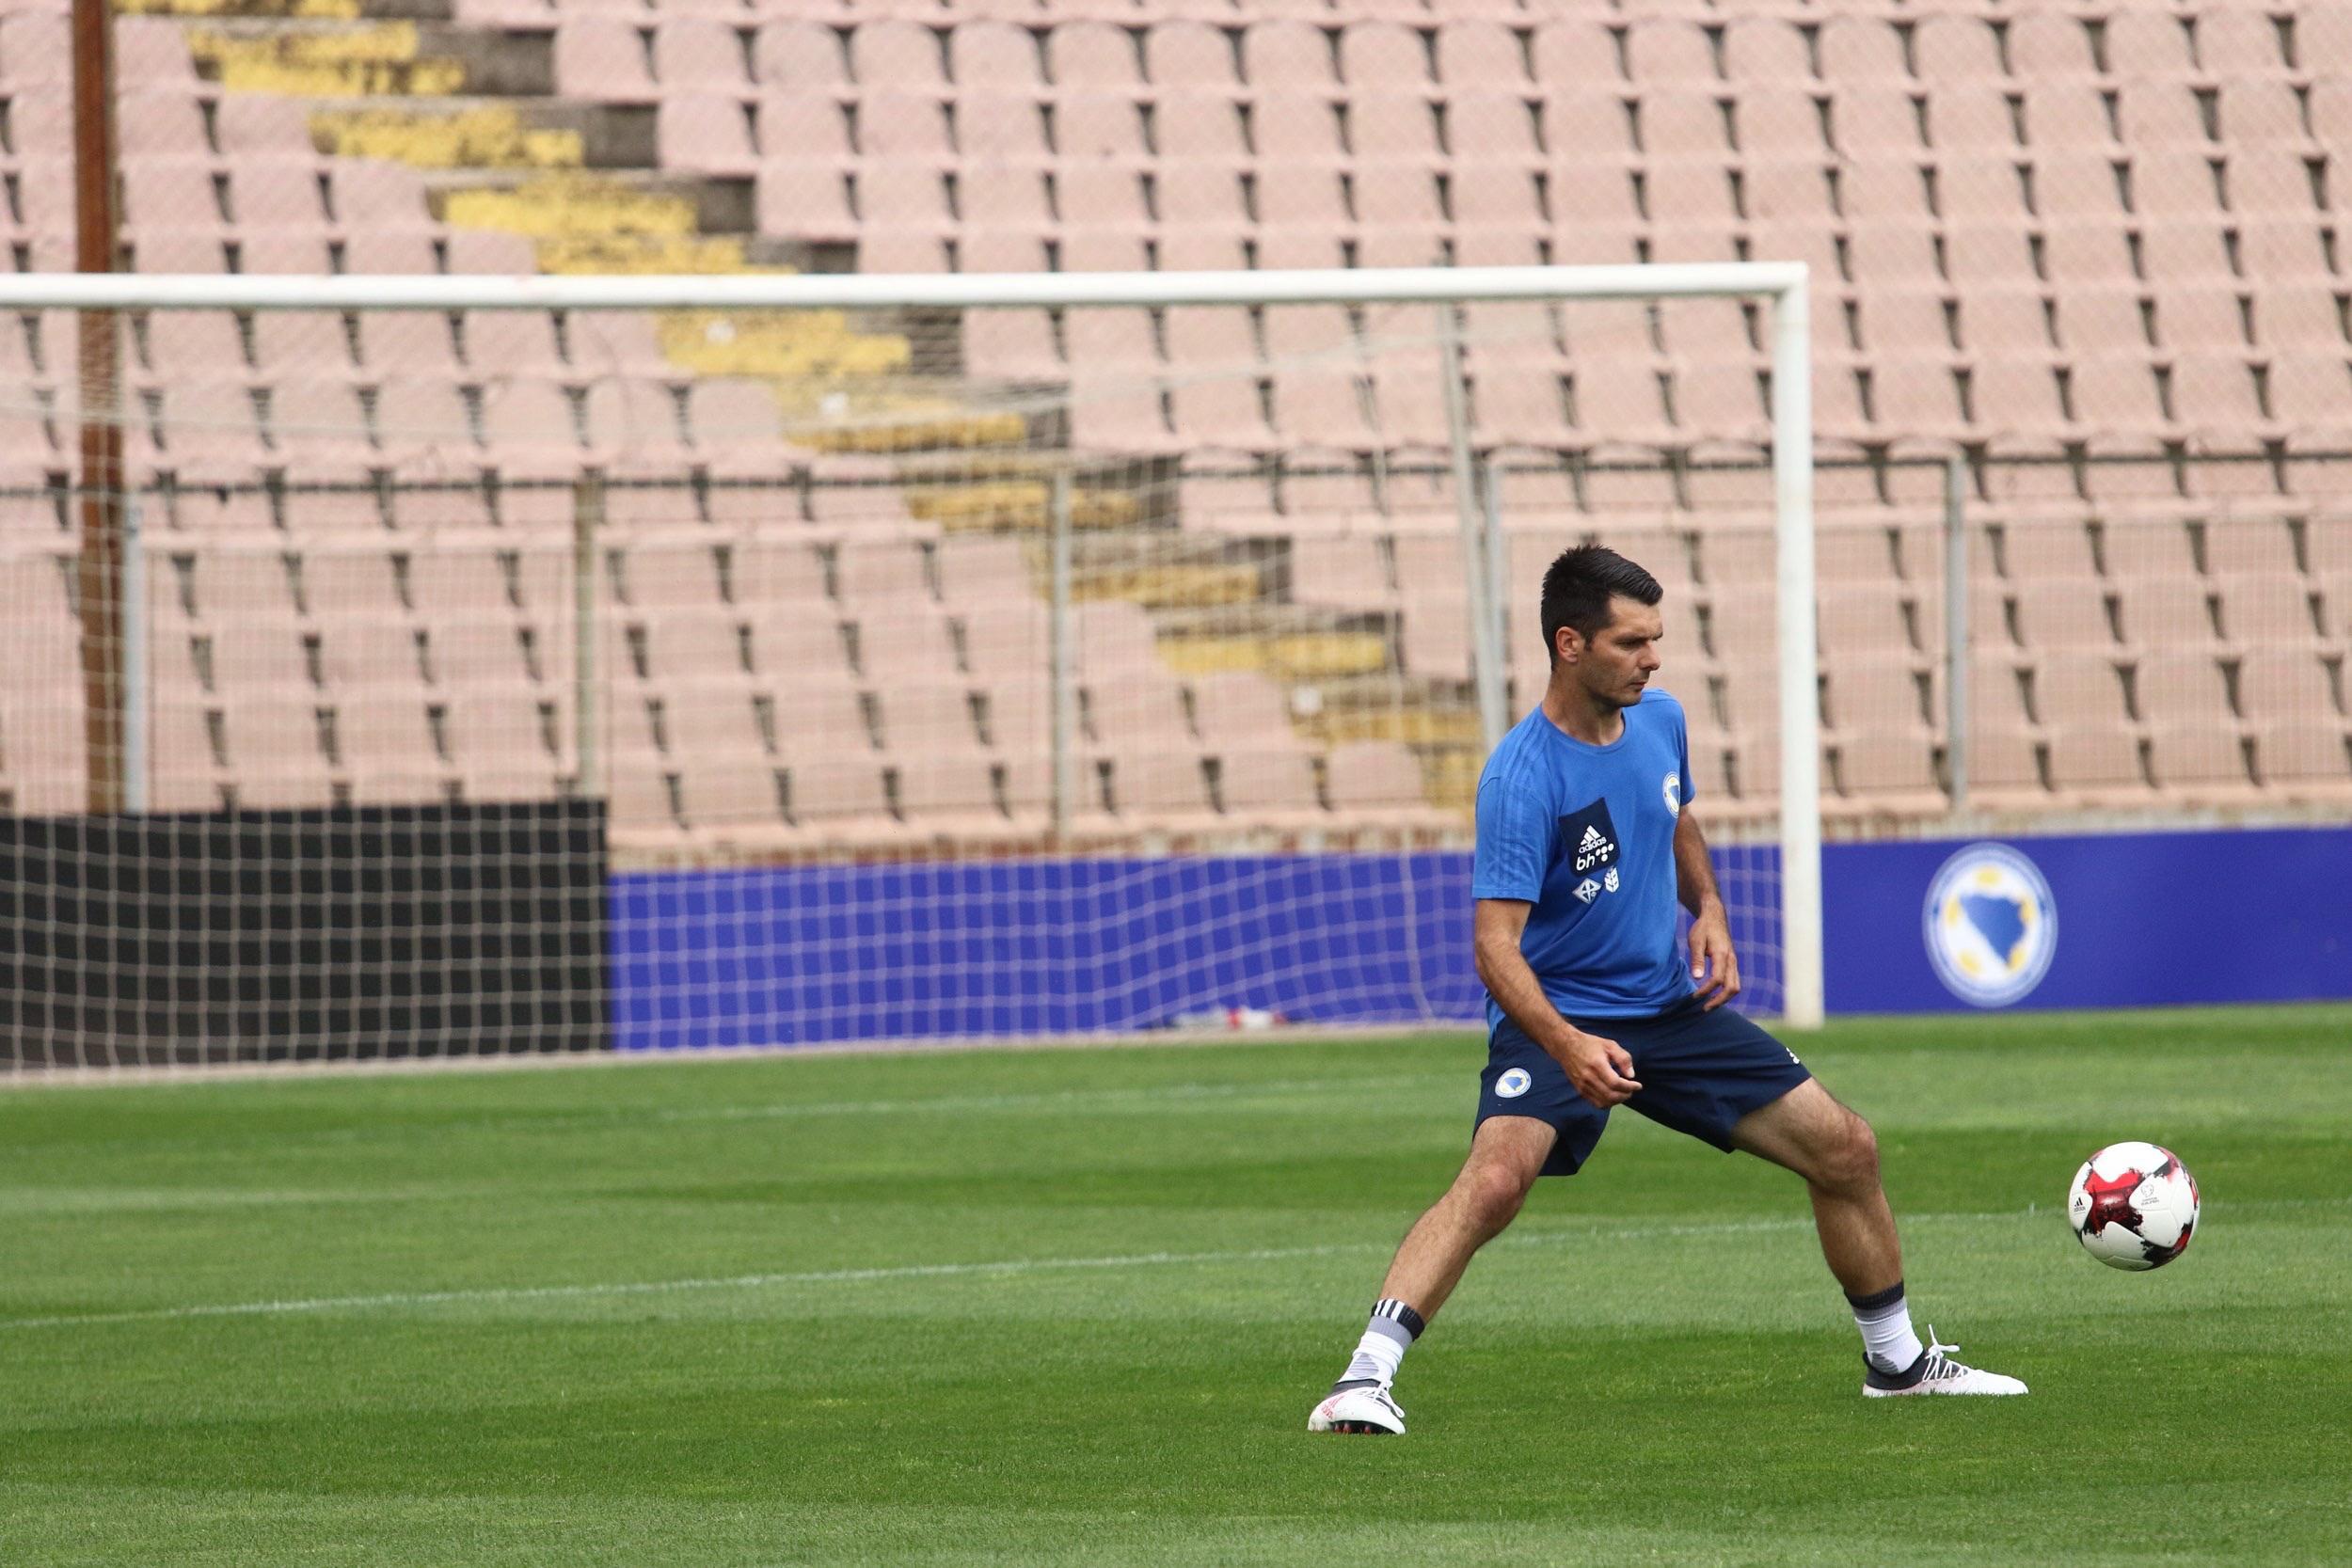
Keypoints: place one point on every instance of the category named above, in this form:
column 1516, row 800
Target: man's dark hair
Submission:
column 1578, row 586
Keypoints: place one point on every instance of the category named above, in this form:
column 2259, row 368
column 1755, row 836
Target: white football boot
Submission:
column 1359, row 1407
column 1935, row 1372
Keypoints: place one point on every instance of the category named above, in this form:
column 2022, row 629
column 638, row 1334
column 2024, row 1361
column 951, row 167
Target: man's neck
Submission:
column 1580, row 717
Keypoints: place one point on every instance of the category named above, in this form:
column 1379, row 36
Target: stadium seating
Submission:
column 2095, row 250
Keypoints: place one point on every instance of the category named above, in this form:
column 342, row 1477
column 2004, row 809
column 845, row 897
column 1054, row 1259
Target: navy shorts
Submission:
column 1701, row 1071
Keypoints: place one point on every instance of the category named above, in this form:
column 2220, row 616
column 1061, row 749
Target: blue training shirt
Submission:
column 1585, row 834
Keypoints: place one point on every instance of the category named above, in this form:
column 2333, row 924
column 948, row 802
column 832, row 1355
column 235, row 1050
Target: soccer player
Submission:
column 1585, row 841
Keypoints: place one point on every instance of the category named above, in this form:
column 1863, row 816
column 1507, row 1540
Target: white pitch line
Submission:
column 1009, row 1266
column 843, row 1277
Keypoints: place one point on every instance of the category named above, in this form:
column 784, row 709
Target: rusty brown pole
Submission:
column 100, row 392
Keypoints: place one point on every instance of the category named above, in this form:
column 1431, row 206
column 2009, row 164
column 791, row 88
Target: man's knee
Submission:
column 1849, row 1162
column 1490, row 1192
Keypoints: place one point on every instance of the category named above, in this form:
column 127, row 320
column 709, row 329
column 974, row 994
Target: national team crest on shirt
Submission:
column 1672, row 790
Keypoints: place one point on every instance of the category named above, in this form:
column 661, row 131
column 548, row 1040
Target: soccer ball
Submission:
column 2133, row 1206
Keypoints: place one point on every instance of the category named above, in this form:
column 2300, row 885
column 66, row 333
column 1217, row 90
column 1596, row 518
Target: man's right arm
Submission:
column 1601, row 1068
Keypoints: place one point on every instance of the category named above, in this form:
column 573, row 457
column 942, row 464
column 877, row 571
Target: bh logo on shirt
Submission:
column 1588, row 840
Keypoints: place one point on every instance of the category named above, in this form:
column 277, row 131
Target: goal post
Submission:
column 1078, row 475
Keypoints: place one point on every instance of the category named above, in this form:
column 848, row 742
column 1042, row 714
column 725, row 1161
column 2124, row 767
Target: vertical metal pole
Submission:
column 1498, row 581
column 138, row 678
column 100, row 412
column 1062, row 648
column 1956, row 624
column 1800, row 716
column 587, row 526
column 1485, row 650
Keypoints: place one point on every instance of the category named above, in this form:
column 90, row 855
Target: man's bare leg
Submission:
column 1808, row 1132
column 1505, row 1158
column 1507, row 1155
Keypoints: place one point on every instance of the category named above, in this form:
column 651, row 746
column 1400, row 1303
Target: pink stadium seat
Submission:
column 469, row 652
column 2249, row 546
column 2142, row 44
column 2097, row 765
column 704, row 134
column 842, row 802
column 1668, row 49
column 2116, row 393
column 806, row 200
column 2075, row 689
column 2235, row 44
column 2199, row 764
column 927, row 717
column 1242, row 711
column 1093, row 54
column 1854, row 49
column 991, row 54
column 251, row 126
column 697, row 54
column 340, row 584
column 369, row 196
column 2060, row 114
column 802, row 129
column 274, row 755
column 1138, row 714
column 356, row 653
column 2158, row 113
column 1765, row 49
column 1185, row 53
column 736, row 803
column 819, row 714
column 2285, row 685
column 897, row 53
column 1382, row 53
column 159, row 126
column 2306, row 761
column 904, row 642
column 788, row 52
column 995, row 128
column 951, row 796
column 2180, row 686
column 404, row 252
column 1270, row 788
column 1574, row 52
column 1479, row 54
column 1163, row 791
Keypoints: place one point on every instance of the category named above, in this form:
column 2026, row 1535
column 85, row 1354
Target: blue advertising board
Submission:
column 2107, row 920
column 814, row 955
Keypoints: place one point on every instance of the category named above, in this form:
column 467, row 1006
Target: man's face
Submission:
column 1618, row 661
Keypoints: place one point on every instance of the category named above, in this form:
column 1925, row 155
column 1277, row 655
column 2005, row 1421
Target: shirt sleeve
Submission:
column 1682, row 755
column 1515, row 828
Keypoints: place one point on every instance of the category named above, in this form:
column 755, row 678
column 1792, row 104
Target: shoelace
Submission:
column 1940, row 1362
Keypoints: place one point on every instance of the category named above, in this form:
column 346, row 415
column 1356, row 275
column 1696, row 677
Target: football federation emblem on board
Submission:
column 1989, row 924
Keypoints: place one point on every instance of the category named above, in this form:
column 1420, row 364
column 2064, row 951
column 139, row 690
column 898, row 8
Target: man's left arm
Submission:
column 1714, row 969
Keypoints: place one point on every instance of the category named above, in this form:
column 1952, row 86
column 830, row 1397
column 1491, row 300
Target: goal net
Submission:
column 477, row 666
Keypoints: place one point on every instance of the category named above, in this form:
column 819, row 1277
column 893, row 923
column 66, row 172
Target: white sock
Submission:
column 1391, row 1331
column 1888, row 1337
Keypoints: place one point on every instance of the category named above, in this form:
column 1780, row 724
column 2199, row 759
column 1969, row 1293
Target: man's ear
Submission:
column 1568, row 644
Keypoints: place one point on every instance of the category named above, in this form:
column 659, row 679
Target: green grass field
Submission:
column 1070, row 1307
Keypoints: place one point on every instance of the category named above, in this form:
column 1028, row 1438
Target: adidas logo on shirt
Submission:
column 1593, row 849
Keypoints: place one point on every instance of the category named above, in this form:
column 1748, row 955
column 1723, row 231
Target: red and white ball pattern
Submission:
column 2134, row 1206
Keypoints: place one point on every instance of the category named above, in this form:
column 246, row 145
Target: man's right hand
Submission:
column 1600, row 1069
